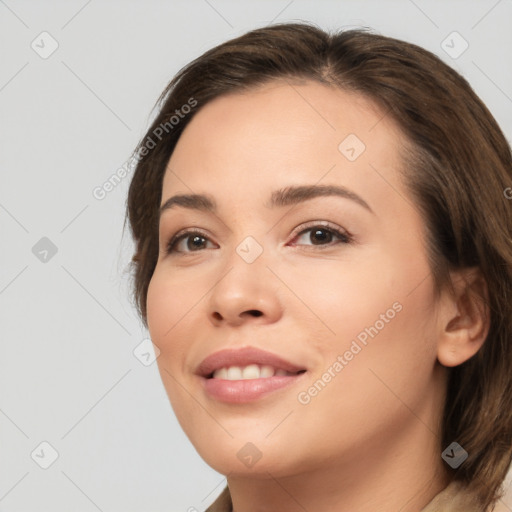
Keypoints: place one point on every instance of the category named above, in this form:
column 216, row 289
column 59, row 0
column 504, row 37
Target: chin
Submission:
column 239, row 456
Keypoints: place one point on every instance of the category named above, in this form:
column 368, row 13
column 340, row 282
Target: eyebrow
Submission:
column 283, row 197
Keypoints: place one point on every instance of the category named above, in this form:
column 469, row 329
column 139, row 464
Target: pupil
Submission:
column 196, row 242
column 326, row 235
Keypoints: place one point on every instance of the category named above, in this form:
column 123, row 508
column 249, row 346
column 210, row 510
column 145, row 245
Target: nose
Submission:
column 247, row 293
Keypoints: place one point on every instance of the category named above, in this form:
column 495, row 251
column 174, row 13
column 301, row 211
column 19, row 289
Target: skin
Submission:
column 377, row 422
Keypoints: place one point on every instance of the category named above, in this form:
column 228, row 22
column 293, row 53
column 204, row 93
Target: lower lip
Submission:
column 242, row 391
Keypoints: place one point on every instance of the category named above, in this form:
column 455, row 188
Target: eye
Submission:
column 323, row 235
column 186, row 242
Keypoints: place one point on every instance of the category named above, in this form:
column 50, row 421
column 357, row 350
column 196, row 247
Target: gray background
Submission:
column 68, row 374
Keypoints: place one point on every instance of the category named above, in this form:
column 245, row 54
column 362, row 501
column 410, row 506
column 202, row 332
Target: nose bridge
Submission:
column 247, row 288
column 247, row 265
column 249, row 235
column 250, row 249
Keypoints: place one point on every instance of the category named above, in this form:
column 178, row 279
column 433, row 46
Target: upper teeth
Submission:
column 252, row 371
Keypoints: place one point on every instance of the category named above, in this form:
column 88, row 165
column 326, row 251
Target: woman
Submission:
column 323, row 258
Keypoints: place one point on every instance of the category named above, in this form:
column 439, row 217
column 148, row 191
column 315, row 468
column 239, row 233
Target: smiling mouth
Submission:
column 246, row 374
column 250, row 372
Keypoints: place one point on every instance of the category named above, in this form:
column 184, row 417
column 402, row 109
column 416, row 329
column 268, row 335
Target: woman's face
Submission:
column 295, row 328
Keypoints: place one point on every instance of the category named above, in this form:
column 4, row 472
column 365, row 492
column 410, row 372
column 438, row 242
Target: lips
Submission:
column 246, row 374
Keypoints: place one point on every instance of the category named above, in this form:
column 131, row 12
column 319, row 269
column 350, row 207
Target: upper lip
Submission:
column 243, row 357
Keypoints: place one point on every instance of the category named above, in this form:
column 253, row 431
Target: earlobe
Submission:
column 464, row 317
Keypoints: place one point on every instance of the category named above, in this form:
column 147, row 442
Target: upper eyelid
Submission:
column 320, row 223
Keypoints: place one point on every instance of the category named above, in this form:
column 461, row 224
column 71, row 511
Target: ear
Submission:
column 463, row 317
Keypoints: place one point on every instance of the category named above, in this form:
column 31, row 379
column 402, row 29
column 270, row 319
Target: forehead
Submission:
column 285, row 133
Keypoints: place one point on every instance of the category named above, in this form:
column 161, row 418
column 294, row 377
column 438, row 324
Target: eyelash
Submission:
column 344, row 237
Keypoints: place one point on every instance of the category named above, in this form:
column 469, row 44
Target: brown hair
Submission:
column 457, row 168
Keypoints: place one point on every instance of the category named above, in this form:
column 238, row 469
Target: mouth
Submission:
column 246, row 375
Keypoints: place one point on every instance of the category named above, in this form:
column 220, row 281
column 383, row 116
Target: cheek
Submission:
column 160, row 305
column 377, row 383
column 372, row 313
column 390, row 359
column 169, row 307
column 341, row 297
column 171, row 299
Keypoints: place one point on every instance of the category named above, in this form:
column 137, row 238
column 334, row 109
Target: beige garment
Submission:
column 223, row 503
column 452, row 499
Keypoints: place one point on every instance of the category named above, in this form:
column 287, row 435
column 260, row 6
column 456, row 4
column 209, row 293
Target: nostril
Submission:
column 255, row 312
